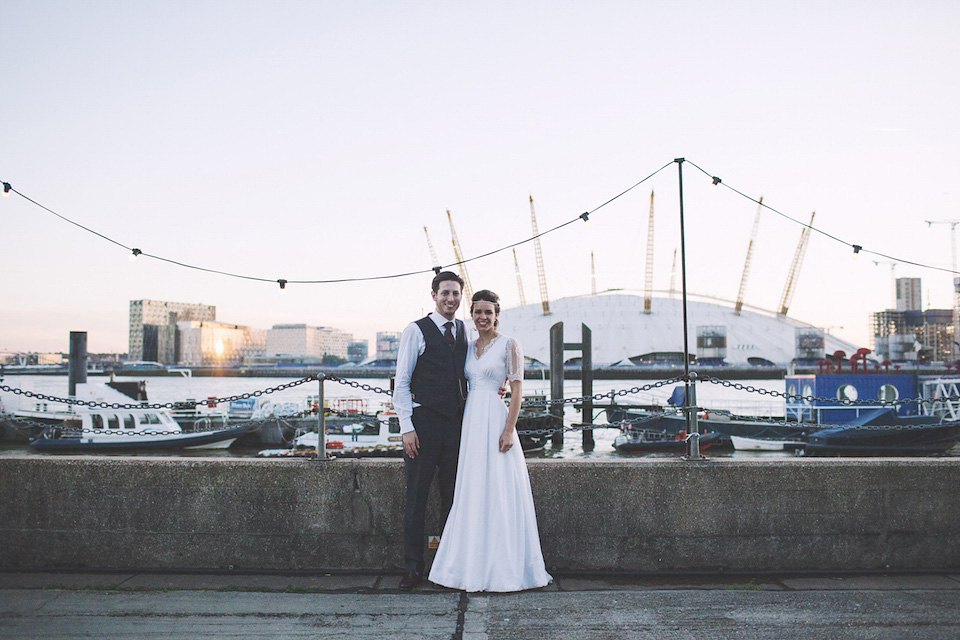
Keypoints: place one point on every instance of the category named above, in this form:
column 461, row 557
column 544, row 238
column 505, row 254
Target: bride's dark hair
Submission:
column 485, row 295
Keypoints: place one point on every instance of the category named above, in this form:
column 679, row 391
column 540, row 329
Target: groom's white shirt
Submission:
column 411, row 348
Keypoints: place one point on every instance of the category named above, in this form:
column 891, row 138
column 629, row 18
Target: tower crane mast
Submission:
column 467, row 288
column 541, row 274
column 593, row 276
column 516, row 268
column 746, row 263
column 795, row 268
column 953, row 238
column 433, row 253
column 893, row 279
column 648, row 278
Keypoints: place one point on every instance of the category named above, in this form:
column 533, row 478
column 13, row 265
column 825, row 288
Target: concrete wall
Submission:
column 660, row 515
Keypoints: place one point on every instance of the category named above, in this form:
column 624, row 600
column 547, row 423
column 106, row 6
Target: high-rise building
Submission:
column 925, row 336
column 388, row 345
column 153, row 330
column 302, row 340
column 357, row 350
column 218, row 343
column 909, row 295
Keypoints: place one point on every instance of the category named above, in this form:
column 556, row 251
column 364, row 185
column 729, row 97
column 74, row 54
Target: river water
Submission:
column 171, row 389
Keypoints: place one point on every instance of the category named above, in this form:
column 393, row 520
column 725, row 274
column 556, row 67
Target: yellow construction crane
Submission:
column 795, row 267
column 516, row 268
column 746, row 263
column 648, row 279
column 593, row 276
column 467, row 288
column 433, row 253
column 541, row 275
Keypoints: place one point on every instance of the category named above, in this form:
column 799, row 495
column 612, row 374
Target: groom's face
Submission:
column 447, row 298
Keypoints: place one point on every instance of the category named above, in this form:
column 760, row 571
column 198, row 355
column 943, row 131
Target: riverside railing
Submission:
column 691, row 409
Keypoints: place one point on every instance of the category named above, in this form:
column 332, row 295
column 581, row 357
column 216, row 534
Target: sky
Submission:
column 315, row 141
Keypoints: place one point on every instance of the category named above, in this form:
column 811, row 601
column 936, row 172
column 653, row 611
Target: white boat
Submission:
column 741, row 443
column 89, row 428
column 119, row 430
column 350, row 433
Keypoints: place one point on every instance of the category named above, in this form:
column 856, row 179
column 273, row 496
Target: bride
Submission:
column 491, row 541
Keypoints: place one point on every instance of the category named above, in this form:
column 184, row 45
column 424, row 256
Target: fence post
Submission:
column 586, row 385
column 556, row 380
column 321, row 423
column 693, row 431
column 77, row 367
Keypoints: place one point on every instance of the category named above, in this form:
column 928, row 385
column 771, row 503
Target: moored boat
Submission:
column 741, row 443
column 126, row 430
column 350, row 432
column 886, row 435
column 654, row 441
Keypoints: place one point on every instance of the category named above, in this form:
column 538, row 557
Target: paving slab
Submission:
column 251, row 582
column 663, row 583
column 46, row 614
column 881, row 582
column 54, row 579
column 718, row 613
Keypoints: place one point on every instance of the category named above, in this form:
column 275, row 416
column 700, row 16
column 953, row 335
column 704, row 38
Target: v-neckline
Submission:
column 486, row 349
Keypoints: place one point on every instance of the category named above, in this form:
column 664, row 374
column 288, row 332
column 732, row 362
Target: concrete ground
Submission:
column 142, row 605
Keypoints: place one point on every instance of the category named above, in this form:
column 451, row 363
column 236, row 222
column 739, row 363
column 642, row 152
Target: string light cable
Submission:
column 283, row 282
column 856, row 248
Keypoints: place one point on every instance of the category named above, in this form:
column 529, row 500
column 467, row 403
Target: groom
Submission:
column 429, row 393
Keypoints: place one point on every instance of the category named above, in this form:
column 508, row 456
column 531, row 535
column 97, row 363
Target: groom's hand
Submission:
column 411, row 443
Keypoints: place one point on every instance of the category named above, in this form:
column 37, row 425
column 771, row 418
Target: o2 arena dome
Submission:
column 623, row 334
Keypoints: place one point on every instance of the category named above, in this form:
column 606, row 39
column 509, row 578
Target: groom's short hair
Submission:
column 444, row 276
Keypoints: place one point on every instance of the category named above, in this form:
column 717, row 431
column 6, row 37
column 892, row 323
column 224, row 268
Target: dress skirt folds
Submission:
column 491, row 541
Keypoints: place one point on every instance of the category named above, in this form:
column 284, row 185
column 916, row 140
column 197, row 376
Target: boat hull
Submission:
column 220, row 439
column 626, row 443
column 673, row 424
column 911, row 440
column 741, row 443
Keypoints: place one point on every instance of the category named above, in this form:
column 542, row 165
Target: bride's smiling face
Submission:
column 484, row 316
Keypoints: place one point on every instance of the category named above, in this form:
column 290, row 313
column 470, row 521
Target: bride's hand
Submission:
column 506, row 441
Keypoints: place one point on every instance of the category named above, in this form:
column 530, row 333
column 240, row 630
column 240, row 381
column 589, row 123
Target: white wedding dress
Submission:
column 490, row 541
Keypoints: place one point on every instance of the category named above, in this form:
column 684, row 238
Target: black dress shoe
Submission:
column 410, row 579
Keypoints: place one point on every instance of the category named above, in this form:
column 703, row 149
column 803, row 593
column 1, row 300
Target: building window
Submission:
column 113, row 422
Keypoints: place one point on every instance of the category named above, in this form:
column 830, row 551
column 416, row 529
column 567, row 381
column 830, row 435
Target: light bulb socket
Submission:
column 856, row 249
column 6, row 189
column 136, row 252
column 282, row 283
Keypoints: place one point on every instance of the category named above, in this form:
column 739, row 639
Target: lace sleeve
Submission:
column 514, row 360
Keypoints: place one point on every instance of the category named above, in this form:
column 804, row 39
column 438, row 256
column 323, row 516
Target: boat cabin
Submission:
column 870, row 391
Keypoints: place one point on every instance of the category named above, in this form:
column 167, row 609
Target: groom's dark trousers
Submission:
column 439, row 437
